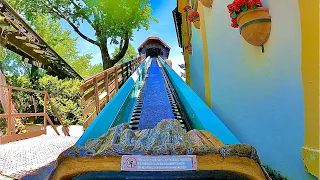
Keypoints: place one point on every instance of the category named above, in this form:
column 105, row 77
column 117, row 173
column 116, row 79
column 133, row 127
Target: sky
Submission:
column 165, row 29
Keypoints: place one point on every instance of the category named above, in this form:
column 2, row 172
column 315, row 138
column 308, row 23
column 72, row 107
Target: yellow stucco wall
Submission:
column 185, row 38
column 282, row 85
column 205, row 56
column 309, row 14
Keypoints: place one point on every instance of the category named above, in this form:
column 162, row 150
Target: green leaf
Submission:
column 234, row 15
column 108, row 18
column 254, row 7
column 244, row 8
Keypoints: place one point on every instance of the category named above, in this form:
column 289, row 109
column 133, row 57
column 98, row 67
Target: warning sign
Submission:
column 158, row 163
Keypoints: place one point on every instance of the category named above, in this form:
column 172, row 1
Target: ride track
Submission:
column 158, row 93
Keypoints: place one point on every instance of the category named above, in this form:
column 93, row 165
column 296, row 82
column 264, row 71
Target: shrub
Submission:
column 64, row 94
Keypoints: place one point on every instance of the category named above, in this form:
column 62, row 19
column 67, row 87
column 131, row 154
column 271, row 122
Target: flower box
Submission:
column 187, row 8
column 188, row 47
column 253, row 21
column 194, row 17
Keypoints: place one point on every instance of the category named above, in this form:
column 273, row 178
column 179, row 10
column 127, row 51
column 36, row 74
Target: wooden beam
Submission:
column 16, row 137
column 21, row 115
column 23, row 89
column 25, row 48
column 52, row 125
column 11, row 126
column 106, row 82
column 96, row 95
column 4, row 21
column 88, row 109
column 89, row 120
column 45, row 112
column 56, row 112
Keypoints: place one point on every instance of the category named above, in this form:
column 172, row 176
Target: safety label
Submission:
column 158, row 163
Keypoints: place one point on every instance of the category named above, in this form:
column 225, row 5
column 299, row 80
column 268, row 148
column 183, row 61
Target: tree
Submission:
column 130, row 54
column 66, row 46
column 112, row 21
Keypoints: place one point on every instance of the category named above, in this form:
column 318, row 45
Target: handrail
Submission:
column 100, row 88
column 11, row 136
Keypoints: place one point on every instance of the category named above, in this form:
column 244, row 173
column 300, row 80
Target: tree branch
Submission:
column 84, row 16
column 79, row 32
column 76, row 29
column 121, row 43
column 123, row 50
column 38, row 12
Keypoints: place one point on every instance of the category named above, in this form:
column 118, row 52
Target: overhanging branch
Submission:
column 65, row 17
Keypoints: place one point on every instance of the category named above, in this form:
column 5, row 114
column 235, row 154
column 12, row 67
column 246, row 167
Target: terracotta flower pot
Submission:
column 189, row 50
column 207, row 3
column 255, row 26
column 196, row 23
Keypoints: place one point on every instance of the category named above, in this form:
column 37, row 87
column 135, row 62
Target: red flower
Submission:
column 259, row 3
column 187, row 46
column 234, row 20
column 230, row 8
column 187, row 8
column 234, row 25
column 193, row 15
column 239, row 6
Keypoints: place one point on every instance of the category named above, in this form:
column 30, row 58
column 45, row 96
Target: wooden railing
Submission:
column 99, row 89
column 11, row 133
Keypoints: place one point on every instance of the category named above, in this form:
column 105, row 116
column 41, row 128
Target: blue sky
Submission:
column 165, row 29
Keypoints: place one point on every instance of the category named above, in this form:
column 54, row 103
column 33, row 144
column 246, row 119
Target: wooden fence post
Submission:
column 122, row 74
column 45, row 112
column 64, row 129
column 116, row 79
column 9, row 123
column 106, row 82
column 96, row 95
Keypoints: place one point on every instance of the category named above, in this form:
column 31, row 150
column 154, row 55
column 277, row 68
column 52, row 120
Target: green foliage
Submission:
column 10, row 62
column 112, row 18
column 64, row 94
column 66, row 97
column 3, row 125
column 274, row 175
column 112, row 21
column 60, row 40
column 131, row 52
column 19, row 127
column 22, row 100
column 66, row 46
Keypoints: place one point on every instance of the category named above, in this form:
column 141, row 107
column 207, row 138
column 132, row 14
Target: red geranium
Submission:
column 239, row 6
column 187, row 46
column 193, row 16
column 187, row 8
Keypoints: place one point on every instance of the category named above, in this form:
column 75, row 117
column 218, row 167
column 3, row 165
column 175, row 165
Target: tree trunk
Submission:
column 109, row 62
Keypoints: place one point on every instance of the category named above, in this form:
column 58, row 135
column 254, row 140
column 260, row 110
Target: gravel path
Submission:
column 21, row 157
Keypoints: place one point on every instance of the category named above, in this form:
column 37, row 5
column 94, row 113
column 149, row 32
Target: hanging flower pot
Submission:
column 207, row 3
column 253, row 21
column 188, row 47
column 194, row 17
